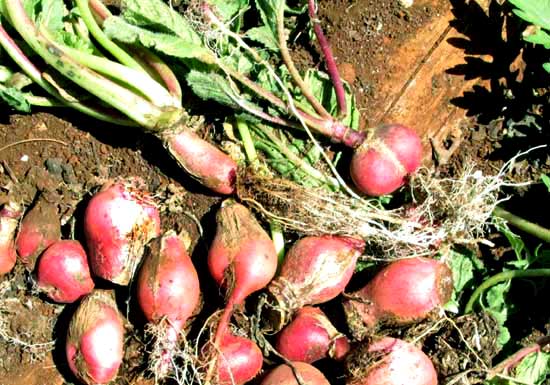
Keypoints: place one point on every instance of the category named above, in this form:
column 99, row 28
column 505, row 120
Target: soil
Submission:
column 375, row 44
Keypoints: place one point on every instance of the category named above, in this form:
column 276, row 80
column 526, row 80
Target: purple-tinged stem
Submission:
column 332, row 68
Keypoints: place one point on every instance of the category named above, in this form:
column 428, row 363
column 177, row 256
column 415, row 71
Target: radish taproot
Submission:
column 94, row 346
column 311, row 337
column 403, row 292
column 40, row 228
column 390, row 361
column 316, row 269
column 63, row 272
column 381, row 164
column 118, row 222
column 239, row 360
column 9, row 219
column 285, row 375
column 168, row 292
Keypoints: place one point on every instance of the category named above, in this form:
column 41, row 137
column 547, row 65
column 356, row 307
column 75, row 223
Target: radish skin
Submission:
column 284, row 375
column 381, row 164
column 311, row 337
column 168, row 292
column 63, row 272
column 390, row 361
column 239, row 360
column 40, row 228
column 405, row 291
column 9, row 219
column 315, row 270
column 94, row 346
column 118, row 223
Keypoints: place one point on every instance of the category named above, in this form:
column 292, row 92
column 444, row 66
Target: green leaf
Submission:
column 546, row 67
column 539, row 37
column 533, row 11
column 268, row 14
column 496, row 305
column 229, row 9
column 51, row 14
column 534, row 368
column 263, row 35
column 546, row 180
column 463, row 265
column 15, row 99
column 211, row 86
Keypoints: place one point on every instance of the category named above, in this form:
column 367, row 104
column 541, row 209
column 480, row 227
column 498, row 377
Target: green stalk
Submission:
column 248, row 143
column 502, row 277
column 523, row 224
column 278, row 240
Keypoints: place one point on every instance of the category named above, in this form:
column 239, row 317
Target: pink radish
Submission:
column 405, row 291
column 310, row 337
column 118, row 223
column 94, row 346
column 284, row 375
column 9, row 219
column 239, row 360
column 63, row 272
column 315, row 270
column 242, row 258
column 40, row 228
column 212, row 167
column 390, row 361
column 168, row 292
column 380, row 165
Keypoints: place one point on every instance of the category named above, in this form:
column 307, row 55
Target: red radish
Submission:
column 284, row 375
column 212, row 167
column 310, row 337
column 405, row 291
column 242, row 258
column 94, row 346
column 40, row 228
column 63, row 272
column 9, row 218
column 168, row 292
column 390, row 361
column 315, row 270
column 118, row 223
column 239, row 360
column 380, row 165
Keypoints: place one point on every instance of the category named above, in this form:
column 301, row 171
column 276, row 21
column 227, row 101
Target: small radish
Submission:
column 9, row 219
column 405, row 291
column 205, row 162
column 168, row 292
column 380, row 165
column 390, row 361
column 40, row 228
column 118, row 223
column 94, row 345
column 315, row 270
column 239, row 360
column 63, row 272
column 285, row 375
column 310, row 337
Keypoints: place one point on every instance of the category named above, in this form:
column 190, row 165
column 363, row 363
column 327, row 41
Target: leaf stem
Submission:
column 248, row 143
column 502, row 277
column 523, row 224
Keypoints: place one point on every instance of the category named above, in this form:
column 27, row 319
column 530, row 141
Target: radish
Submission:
column 63, row 272
column 242, row 258
column 390, row 361
column 405, row 291
column 310, row 337
column 118, row 223
column 168, row 292
column 205, row 162
column 284, row 375
column 239, row 360
column 315, row 270
column 94, row 345
column 40, row 228
column 9, row 218
column 380, row 165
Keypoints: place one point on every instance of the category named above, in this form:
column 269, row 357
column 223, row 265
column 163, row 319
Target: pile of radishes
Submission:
column 124, row 245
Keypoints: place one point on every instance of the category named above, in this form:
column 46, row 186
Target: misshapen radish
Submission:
column 40, row 228
column 284, row 375
column 315, row 270
column 9, row 219
column 239, row 360
column 94, row 346
column 390, row 361
column 168, row 292
column 380, row 165
column 405, row 291
column 311, row 337
column 118, row 223
column 63, row 272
